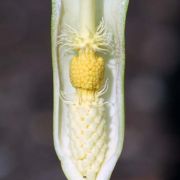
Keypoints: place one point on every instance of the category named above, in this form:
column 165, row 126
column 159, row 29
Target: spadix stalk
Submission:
column 87, row 17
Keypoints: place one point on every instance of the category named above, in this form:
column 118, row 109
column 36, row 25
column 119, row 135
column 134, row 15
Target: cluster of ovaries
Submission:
column 88, row 131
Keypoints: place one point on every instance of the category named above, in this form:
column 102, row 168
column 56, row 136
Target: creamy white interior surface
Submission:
column 113, row 13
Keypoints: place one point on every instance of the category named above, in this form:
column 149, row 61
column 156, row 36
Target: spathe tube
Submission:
column 114, row 14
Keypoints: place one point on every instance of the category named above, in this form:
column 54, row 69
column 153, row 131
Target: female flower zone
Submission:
column 88, row 72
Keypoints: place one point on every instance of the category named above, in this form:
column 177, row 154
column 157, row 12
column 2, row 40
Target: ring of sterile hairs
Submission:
column 71, row 39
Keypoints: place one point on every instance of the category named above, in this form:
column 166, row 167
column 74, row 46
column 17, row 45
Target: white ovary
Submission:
column 88, row 137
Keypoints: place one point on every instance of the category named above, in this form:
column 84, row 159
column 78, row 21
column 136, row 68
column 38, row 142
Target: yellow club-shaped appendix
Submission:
column 88, row 57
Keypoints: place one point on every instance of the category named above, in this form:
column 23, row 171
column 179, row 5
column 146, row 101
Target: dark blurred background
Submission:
column 152, row 92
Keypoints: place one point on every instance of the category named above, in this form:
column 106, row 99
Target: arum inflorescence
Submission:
column 88, row 49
